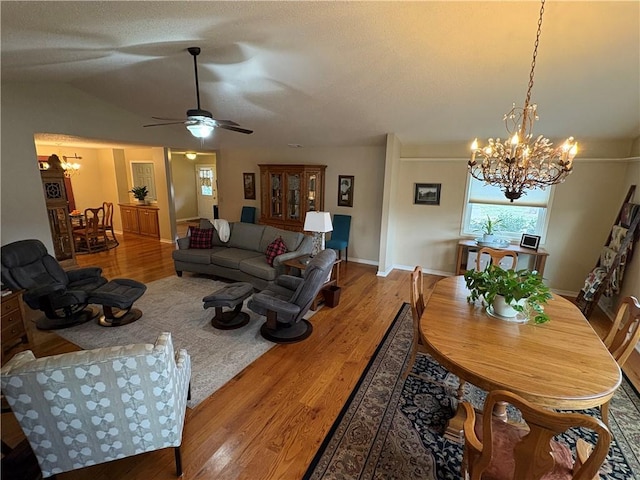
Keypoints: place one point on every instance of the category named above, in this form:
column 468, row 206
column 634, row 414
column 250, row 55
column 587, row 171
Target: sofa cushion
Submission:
column 258, row 267
column 196, row 255
column 200, row 238
column 231, row 257
column 291, row 239
column 246, row 236
column 275, row 248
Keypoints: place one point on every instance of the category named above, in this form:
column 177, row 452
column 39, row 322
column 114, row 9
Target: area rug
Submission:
column 392, row 429
column 174, row 304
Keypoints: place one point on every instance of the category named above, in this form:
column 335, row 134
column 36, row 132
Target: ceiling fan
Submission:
column 200, row 122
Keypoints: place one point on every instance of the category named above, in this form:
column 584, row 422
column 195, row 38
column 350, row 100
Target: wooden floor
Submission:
column 268, row 422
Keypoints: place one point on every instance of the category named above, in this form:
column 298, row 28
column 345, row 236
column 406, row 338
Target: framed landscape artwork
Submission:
column 427, row 194
column 345, row 190
column 249, row 180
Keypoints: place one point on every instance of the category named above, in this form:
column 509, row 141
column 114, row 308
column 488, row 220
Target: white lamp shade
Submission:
column 318, row 222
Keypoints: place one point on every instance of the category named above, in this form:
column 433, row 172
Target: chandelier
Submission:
column 519, row 163
column 70, row 168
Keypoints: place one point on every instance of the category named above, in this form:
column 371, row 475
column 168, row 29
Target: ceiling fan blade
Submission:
column 161, row 124
column 235, row 129
column 169, row 119
column 227, row 122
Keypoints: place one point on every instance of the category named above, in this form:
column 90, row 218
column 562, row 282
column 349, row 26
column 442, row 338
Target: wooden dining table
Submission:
column 561, row 364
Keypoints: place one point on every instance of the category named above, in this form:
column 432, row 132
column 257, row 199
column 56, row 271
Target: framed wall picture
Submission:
column 249, row 180
column 427, row 194
column 345, row 190
column 530, row 241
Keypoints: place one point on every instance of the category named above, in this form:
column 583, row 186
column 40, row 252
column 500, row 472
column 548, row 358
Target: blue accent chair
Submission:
column 340, row 236
column 248, row 215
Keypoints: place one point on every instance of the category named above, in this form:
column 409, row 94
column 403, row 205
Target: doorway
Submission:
column 206, row 190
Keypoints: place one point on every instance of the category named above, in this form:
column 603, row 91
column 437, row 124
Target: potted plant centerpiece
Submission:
column 517, row 290
column 140, row 193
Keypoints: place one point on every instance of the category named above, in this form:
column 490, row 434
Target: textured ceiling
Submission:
column 341, row 73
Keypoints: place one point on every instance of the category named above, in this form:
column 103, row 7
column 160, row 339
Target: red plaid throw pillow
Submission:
column 201, row 237
column 275, row 248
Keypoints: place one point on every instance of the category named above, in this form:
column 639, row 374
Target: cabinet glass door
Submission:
column 276, row 195
column 293, row 197
column 312, row 192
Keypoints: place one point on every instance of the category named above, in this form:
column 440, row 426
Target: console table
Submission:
column 464, row 246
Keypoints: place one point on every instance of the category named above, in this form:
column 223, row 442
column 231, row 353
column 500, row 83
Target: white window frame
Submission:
column 498, row 195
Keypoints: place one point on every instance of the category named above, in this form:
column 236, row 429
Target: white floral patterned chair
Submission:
column 93, row 406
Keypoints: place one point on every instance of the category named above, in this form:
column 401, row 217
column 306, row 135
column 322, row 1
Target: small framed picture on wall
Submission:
column 427, row 194
column 249, row 180
column 345, row 190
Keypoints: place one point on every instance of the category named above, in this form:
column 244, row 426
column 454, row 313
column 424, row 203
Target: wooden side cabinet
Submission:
column 13, row 331
column 538, row 260
column 140, row 219
column 288, row 192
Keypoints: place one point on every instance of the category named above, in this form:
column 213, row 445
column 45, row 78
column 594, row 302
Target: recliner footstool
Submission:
column 231, row 296
column 117, row 297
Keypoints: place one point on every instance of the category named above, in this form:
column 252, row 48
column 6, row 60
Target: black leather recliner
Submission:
column 62, row 296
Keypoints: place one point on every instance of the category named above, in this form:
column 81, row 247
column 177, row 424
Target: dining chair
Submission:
column 417, row 307
column 623, row 337
column 88, row 237
column 496, row 257
column 504, row 451
column 340, row 235
column 108, row 222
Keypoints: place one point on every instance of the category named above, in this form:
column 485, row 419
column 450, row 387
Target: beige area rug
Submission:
column 174, row 304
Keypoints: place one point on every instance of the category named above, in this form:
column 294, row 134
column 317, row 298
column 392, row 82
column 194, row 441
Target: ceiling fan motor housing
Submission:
column 196, row 112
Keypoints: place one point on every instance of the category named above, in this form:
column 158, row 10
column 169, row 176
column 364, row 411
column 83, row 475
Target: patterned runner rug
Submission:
column 393, row 429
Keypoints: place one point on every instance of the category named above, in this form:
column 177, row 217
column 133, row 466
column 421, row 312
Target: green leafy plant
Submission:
column 140, row 192
column 489, row 226
column 513, row 285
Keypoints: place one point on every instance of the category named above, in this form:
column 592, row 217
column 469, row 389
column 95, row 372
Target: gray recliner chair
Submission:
column 288, row 298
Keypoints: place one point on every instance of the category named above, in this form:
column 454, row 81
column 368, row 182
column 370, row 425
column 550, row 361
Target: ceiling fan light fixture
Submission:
column 200, row 127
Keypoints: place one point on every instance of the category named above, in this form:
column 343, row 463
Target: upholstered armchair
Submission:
column 94, row 406
column 288, row 298
column 62, row 296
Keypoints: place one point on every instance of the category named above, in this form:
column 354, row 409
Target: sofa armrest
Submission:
column 183, row 243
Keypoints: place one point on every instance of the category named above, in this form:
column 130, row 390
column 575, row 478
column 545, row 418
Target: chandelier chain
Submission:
column 535, row 54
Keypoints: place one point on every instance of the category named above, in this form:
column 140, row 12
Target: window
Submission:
column 528, row 214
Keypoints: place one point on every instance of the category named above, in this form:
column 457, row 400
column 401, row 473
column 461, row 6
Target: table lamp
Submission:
column 319, row 223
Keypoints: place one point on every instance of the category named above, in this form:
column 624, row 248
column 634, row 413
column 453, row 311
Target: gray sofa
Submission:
column 242, row 258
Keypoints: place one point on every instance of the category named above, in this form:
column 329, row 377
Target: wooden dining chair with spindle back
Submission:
column 623, row 337
column 496, row 257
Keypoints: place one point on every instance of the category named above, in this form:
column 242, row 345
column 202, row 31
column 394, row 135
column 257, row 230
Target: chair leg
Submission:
column 178, row 455
column 604, row 410
column 346, row 254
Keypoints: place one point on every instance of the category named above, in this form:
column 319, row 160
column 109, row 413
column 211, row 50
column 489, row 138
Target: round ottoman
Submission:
column 230, row 296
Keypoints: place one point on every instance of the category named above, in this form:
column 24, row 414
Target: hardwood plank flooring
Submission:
column 267, row 422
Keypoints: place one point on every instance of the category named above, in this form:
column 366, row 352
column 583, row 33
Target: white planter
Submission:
column 486, row 238
column 502, row 308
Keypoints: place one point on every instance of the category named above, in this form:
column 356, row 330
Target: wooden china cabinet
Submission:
column 55, row 194
column 288, row 192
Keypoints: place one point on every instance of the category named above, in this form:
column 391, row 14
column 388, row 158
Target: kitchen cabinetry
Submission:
column 13, row 331
column 288, row 192
column 140, row 219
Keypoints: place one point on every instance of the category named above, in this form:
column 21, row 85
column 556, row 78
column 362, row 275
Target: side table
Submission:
column 13, row 332
column 301, row 263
